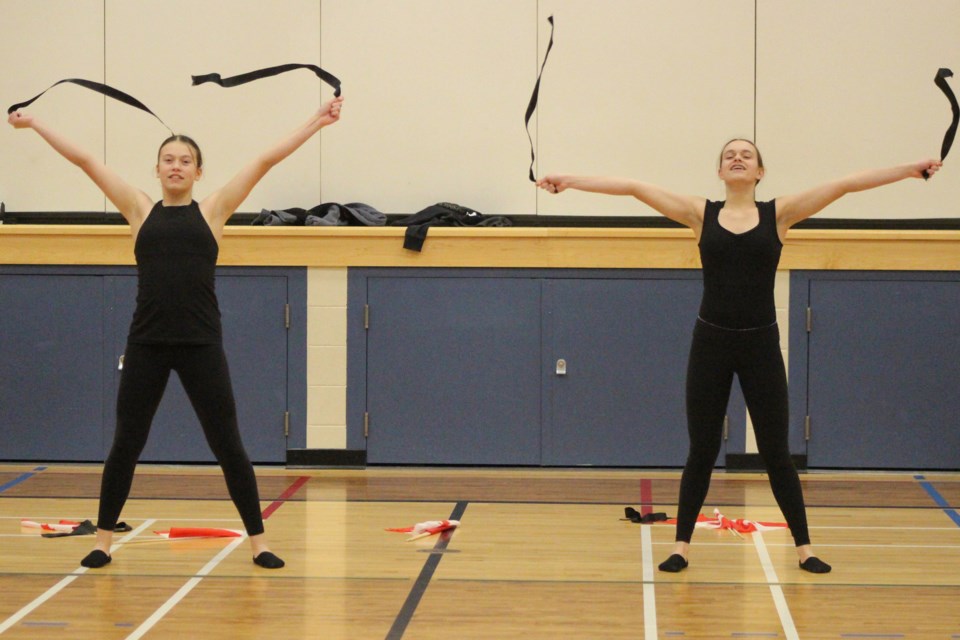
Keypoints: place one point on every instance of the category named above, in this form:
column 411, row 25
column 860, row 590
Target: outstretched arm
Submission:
column 132, row 203
column 687, row 210
column 792, row 209
column 220, row 205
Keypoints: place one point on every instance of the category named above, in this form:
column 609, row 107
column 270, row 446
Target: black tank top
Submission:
column 739, row 270
column 176, row 263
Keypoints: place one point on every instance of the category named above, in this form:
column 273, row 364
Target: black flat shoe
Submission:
column 674, row 564
column 268, row 561
column 813, row 564
column 95, row 559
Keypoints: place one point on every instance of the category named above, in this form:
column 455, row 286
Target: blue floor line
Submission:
column 16, row 481
column 939, row 499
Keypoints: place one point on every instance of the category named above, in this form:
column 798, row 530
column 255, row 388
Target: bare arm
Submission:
column 792, row 209
column 687, row 210
column 220, row 205
column 132, row 203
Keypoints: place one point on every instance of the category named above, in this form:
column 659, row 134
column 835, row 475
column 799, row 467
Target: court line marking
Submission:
column 57, row 588
column 646, row 496
column 939, row 499
column 877, row 546
column 181, row 593
column 62, row 517
column 286, row 495
column 423, row 580
column 167, row 606
column 178, row 518
column 649, row 591
column 891, row 528
column 21, row 478
column 646, row 563
column 745, row 582
column 442, row 500
column 235, row 520
column 786, row 620
column 826, row 545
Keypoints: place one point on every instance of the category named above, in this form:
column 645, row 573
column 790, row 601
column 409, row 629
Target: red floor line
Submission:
column 292, row 489
column 646, row 496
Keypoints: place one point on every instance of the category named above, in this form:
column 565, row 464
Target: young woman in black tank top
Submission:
column 736, row 331
column 176, row 325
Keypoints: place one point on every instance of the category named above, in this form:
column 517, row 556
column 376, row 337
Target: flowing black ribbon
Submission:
column 105, row 89
column 941, row 81
column 533, row 99
column 244, row 78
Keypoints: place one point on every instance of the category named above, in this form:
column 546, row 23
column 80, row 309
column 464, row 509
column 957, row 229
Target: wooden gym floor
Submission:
column 539, row 554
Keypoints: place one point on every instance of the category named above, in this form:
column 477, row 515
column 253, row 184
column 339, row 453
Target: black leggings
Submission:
column 754, row 356
column 205, row 377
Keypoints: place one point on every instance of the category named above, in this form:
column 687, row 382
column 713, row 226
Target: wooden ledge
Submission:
column 542, row 247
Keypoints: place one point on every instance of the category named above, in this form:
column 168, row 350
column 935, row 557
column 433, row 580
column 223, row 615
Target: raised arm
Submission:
column 687, row 210
column 794, row 208
column 133, row 204
column 220, row 205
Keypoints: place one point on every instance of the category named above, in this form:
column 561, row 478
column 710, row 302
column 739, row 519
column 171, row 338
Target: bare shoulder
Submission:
column 212, row 210
column 139, row 209
column 698, row 206
column 212, row 205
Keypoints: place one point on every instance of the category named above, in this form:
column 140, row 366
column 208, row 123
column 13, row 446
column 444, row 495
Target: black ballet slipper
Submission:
column 674, row 564
column 268, row 561
column 813, row 564
column 95, row 559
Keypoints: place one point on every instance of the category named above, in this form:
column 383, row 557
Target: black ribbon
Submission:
column 85, row 528
column 533, row 99
column 941, row 81
column 244, row 78
column 643, row 518
column 105, row 89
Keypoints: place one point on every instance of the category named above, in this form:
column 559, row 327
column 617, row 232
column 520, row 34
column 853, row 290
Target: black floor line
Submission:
column 423, row 580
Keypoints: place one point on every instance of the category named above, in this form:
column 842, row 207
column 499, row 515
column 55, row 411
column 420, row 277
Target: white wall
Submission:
column 436, row 91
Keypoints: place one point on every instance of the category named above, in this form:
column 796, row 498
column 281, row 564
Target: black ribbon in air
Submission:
column 259, row 74
column 941, row 81
column 105, row 89
column 533, row 99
